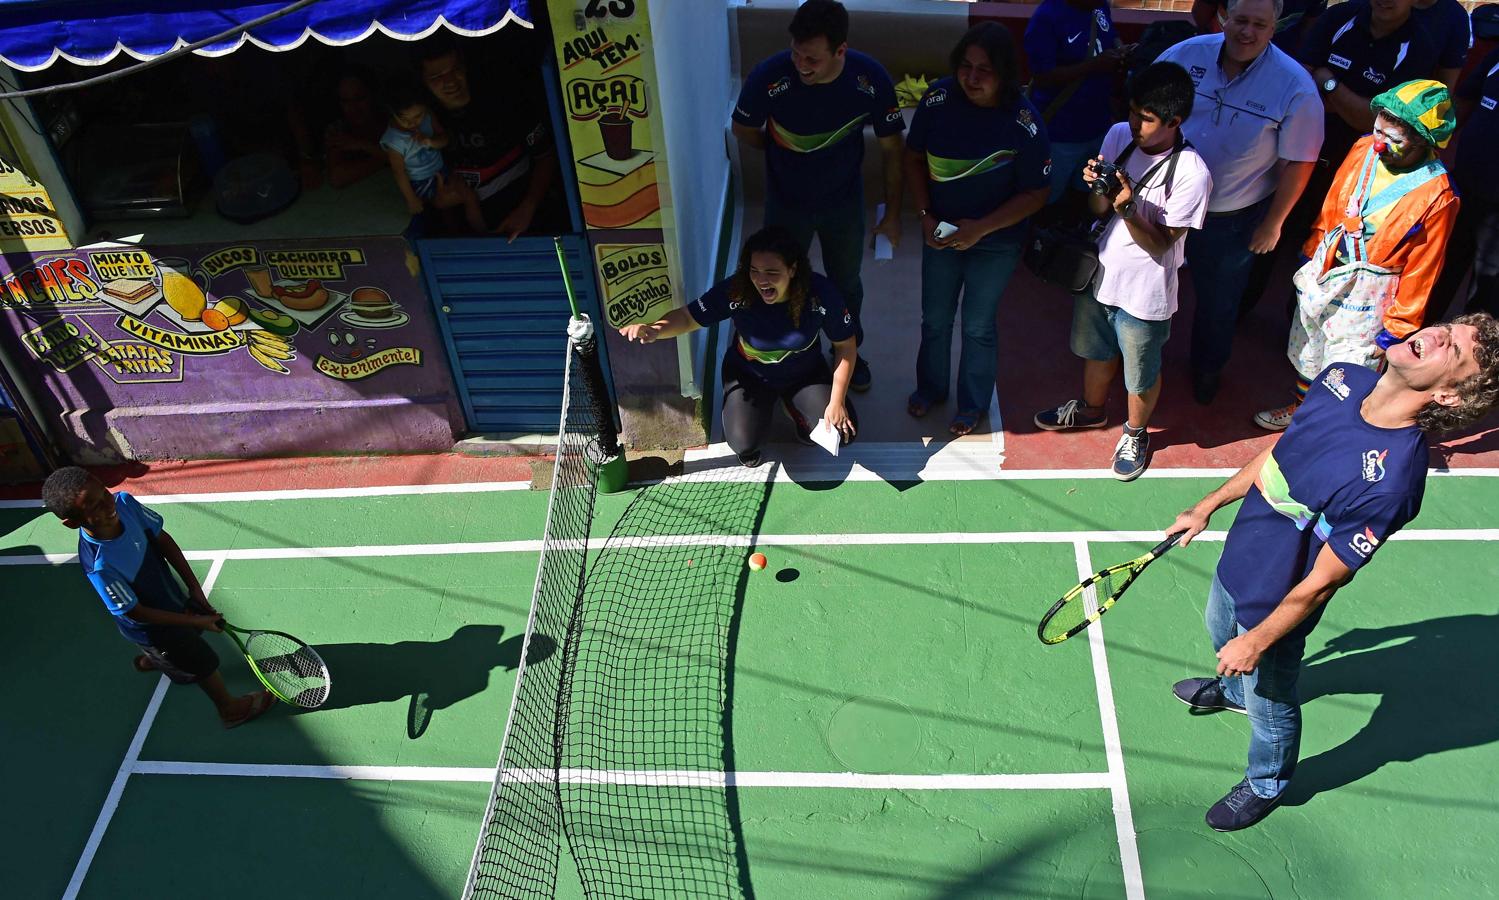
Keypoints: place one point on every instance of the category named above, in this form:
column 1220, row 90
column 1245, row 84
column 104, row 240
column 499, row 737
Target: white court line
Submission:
column 127, row 765
column 1124, row 819
column 649, row 778
column 392, row 490
column 821, row 539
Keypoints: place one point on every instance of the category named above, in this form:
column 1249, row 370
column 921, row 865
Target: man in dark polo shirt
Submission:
column 1451, row 29
column 1347, row 475
column 500, row 142
column 1355, row 51
column 1475, row 238
column 806, row 108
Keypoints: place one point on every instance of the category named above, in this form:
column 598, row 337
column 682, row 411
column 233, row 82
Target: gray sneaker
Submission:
column 1069, row 417
column 1205, row 694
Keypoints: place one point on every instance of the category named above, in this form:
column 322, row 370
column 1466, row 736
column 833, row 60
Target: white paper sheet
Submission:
column 825, row 437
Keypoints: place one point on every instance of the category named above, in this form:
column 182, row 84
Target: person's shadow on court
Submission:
column 434, row 675
column 1432, row 696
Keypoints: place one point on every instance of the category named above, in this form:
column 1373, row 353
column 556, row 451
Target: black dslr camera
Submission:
column 1105, row 183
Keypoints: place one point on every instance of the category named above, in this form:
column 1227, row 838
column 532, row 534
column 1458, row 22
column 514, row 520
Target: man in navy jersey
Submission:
column 1474, row 243
column 125, row 552
column 1074, row 56
column 1347, row 474
column 806, row 108
column 1452, row 30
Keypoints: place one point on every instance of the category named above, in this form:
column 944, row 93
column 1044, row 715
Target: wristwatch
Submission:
column 1127, row 211
column 1329, row 85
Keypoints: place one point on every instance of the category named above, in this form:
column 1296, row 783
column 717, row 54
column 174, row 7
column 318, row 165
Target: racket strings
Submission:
column 1083, row 604
column 290, row 667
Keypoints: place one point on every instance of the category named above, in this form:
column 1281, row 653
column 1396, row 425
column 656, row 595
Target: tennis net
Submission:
column 617, row 744
column 519, row 842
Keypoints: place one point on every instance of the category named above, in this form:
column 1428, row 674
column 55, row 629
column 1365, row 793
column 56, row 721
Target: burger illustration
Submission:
column 371, row 307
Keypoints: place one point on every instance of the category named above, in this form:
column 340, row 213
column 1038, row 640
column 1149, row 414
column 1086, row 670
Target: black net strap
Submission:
column 601, row 408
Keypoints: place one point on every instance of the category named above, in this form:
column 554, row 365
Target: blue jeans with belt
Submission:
column 1268, row 693
column 1219, row 257
column 839, row 228
column 980, row 275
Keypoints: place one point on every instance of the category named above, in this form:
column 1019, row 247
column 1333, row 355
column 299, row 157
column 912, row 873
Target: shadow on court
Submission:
column 1427, row 684
column 434, row 675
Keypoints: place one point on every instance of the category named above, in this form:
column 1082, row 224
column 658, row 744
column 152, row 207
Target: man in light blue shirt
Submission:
column 1258, row 123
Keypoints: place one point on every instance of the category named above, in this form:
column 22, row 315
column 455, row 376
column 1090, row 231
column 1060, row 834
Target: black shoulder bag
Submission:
column 1067, row 257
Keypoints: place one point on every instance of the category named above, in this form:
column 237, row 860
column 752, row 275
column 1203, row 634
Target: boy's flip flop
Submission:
column 264, row 700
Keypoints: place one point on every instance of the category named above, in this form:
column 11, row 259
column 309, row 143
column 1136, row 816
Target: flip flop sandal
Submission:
column 917, row 406
column 963, row 424
column 143, row 663
column 263, row 701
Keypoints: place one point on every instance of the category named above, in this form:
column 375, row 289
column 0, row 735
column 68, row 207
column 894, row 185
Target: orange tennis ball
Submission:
column 757, row 561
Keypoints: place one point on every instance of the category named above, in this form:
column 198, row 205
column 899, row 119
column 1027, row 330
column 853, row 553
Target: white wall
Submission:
column 697, row 91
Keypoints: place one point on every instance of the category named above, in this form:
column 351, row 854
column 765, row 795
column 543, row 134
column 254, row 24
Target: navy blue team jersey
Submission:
column 815, row 132
column 1332, row 480
column 1480, row 133
column 978, row 157
column 767, row 341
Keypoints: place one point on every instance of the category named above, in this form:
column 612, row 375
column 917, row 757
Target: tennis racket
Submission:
column 1086, row 603
column 285, row 665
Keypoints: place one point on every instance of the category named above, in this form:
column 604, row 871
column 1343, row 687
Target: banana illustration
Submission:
column 275, row 351
column 267, row 361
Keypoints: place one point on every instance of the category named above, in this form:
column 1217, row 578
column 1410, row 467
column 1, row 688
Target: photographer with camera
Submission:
column 1155, row 188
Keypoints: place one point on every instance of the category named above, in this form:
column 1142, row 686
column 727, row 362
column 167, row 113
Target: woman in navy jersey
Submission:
column 780, row 309
column 979, row 164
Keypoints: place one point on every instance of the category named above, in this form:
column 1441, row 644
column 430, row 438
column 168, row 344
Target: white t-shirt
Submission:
column 1140, row 284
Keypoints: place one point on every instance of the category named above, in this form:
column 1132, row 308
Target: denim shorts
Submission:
column 1101, row 333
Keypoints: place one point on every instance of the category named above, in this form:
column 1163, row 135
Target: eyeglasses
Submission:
column 1219, row 104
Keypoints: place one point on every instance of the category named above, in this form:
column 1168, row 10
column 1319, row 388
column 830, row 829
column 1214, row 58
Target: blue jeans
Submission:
column 840, row 230
column 1219, row 258
column 980, row 274
column 1104, row 333
column 1268, row 693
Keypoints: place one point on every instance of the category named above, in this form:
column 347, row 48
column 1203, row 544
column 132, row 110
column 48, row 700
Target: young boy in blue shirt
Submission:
column 125, row 553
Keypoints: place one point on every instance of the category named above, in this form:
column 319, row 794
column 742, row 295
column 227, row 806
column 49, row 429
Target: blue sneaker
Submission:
column 1240, row 808
column 1131, row 454
column 862, row 379
column 1205, row 694
column 1069, row 417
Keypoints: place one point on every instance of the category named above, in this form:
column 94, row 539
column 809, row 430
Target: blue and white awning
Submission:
column 34, row 34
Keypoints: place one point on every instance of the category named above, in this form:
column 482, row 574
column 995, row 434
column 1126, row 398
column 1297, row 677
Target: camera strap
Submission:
column 1169, row 162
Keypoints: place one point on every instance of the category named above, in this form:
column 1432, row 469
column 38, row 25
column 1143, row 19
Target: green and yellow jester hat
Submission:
column 1422, row 104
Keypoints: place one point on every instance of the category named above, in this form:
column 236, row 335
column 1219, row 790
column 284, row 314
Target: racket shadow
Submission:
column 430, row 675
column 1426, row 675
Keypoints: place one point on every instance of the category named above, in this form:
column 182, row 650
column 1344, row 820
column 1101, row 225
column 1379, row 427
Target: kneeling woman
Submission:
column 779, row 306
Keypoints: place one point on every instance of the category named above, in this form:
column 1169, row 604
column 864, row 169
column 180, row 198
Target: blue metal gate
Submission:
column 503, row 313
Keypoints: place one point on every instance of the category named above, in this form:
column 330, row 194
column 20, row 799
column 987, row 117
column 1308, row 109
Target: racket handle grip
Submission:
column 1167, row 544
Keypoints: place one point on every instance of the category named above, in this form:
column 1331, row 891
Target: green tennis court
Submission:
column 897, row 730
